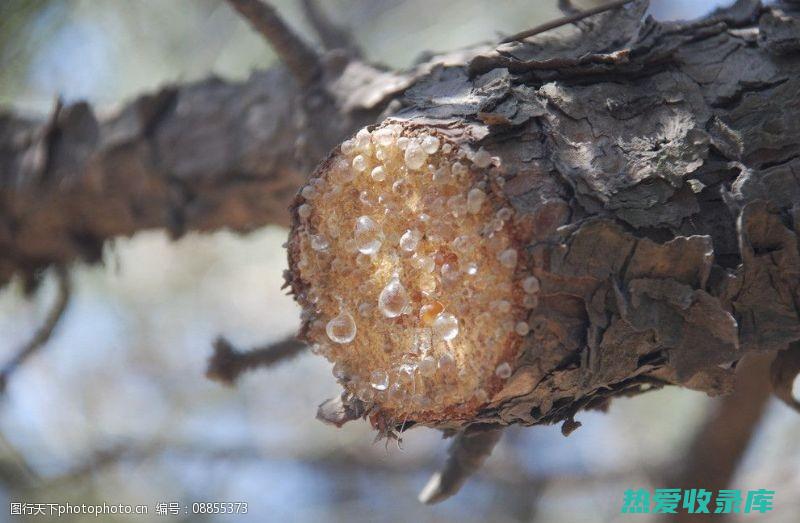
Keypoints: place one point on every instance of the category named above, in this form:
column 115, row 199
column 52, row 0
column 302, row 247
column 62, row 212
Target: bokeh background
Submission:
column 116, row 407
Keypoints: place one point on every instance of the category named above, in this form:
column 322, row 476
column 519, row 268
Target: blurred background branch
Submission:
column 227, row 363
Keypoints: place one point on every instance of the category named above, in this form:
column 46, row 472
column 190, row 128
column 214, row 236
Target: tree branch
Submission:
column 332, row 35
column 227, row 363
column 44, row 332
column 299, row 58
column 784, row 373
column 467, row 452
column 196, row 157
column 661, row 257
column 724, row 435
column 576, row 16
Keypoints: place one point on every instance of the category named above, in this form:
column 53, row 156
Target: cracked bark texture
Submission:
column 654, row 168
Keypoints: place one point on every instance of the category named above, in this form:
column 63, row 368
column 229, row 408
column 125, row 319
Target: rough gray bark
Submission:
column 654, row 168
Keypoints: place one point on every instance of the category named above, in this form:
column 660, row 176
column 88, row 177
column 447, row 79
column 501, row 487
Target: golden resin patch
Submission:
column 404, row 261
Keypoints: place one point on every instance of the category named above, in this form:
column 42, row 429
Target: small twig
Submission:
column 332, row 35
column 227, row 363
column 43, row 333
column 784, row 370
column 298, row 57
column 466, row 454
column 570, row 19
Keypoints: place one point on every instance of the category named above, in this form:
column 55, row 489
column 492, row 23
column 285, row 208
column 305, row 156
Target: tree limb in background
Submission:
column 45, row 331
column 724, row 435
column 784, row 372
column 298, row 57
column 331, row 34
column 467, row 452
column 196, row 157
column 227, row 363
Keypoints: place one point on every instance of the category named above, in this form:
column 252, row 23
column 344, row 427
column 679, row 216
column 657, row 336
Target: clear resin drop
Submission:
column 530, row 285
column 379, row 380
column 430, row 144
column 319, row 243
column 414, row 156
column 450, row 272
column 378, row 174
column 393, row 299
column 508, row 258
column 475, row 199
column 445, row 326
column 409, row 240
column 360, row 163
column 424, row 263
column 368, row 235
column 342, row 328
column 304, row 211
column 503, row 371
column 383, row 137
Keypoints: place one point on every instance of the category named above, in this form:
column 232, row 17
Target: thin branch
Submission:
column 227, row 363
column 466, row 454
column 784, row 371
column 332, row 35
column 571, row 19
column 44, row 332
column 719, row 444
column 299, row 58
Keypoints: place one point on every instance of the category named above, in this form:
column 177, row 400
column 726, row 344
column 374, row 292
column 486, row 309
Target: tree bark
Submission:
column 654, row 169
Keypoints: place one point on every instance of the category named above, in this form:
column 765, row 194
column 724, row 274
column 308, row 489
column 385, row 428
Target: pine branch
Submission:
column 721, row 440
column 227, row 363
column 784, row 372
column 332, row 35
column 44, row 332
column 466, row 454
column 299, row 58
column 569, row 19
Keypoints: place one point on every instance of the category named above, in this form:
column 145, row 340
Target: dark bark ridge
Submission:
column 654, row 168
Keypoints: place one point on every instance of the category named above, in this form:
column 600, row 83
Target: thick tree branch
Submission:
column 652, row 169
column 652, row 174
column 44, row 332
column 227, row 363
column 299, row 58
